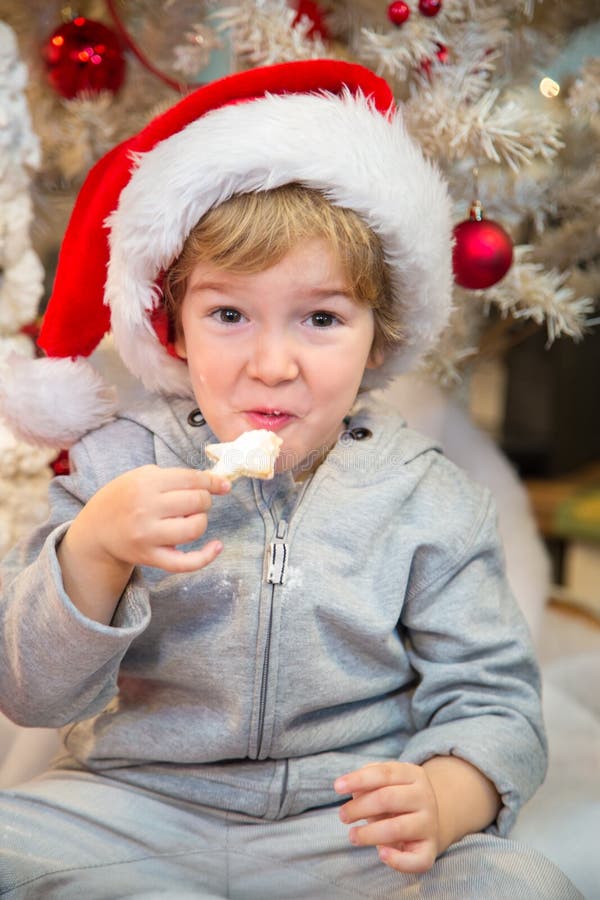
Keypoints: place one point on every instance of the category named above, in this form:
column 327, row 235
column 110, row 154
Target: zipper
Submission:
column 277, row 555
column 263, row 682
column 275, row 571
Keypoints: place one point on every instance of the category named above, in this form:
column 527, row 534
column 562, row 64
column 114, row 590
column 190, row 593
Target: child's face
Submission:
column 283, row 349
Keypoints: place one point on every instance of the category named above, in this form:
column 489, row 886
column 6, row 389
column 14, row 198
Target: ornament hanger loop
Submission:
column 476, row 208
column 181, row 87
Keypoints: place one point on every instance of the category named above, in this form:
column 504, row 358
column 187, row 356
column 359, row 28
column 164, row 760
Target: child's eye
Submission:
column 322, row 319
column 227, row 315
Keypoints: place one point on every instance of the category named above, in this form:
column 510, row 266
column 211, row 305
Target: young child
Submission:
column 244, row 671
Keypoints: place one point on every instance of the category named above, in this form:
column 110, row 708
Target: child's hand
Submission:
column 140, row 517
column 399, row 804
column 136, row 520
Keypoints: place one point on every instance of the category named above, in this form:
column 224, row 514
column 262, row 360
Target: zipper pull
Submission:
column 277, row 555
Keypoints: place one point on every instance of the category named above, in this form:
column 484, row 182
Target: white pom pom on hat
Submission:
column 328, row 124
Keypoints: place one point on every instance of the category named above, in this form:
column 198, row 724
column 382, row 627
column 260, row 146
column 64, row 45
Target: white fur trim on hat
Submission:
column 340, row 145
column 53, row 401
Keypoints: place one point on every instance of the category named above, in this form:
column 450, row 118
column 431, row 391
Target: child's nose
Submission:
column 273, row 359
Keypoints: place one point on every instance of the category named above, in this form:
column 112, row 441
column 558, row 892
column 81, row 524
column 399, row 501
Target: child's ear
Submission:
column 376, row 358
column 179, row 344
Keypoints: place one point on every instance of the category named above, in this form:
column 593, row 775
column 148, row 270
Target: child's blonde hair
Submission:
column 251, row 232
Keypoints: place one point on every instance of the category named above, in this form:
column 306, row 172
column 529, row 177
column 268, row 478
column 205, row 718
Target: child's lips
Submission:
column 271, row 419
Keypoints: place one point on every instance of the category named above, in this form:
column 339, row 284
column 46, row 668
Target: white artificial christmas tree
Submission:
column 24, row 470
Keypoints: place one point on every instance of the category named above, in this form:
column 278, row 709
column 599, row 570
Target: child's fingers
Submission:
column 180, row 530
column 415, row 858
column 173, row 479
column 183, row 503
column 178, row 561
column 376, row 775
column 390, row 800
column 217, row 484
column 391, row 830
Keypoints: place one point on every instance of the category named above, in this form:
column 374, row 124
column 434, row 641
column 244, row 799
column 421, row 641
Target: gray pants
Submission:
column 69, row 836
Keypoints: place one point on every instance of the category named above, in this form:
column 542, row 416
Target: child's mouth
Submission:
column 272, row 419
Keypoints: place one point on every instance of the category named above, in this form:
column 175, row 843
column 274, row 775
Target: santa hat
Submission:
column 327, row 124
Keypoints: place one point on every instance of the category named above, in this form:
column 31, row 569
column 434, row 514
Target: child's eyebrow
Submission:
column 202, row 284
column 328, row 293
column 313, row 293
column 331, row 290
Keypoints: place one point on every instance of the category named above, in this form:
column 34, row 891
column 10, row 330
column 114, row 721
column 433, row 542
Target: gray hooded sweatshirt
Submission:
column 361, row 615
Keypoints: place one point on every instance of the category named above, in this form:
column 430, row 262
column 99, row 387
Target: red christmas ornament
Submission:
column 441, row 53
column 315, row 14
column 430, row 7
column 84, row 55
column 60, row 464
column 398, row 12
column 482, row 253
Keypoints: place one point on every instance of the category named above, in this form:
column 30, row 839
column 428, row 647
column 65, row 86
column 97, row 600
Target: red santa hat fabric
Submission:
column 329, row 124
